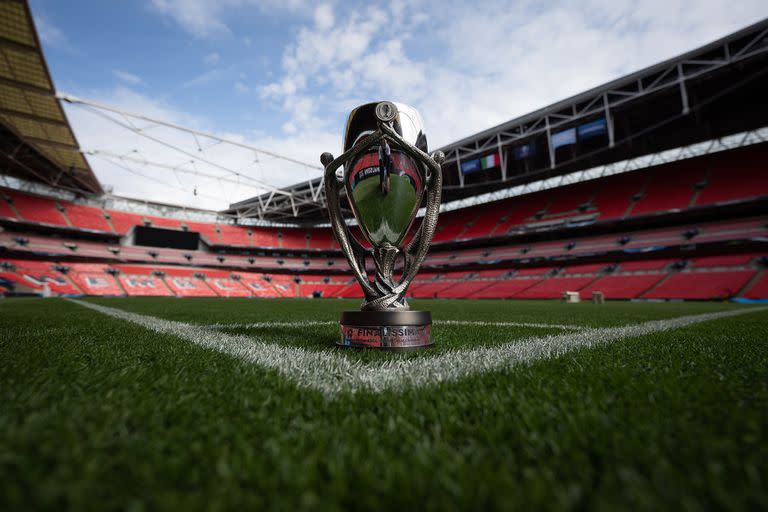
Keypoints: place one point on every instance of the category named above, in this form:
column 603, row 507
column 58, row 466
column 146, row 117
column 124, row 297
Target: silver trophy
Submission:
column 387, row 175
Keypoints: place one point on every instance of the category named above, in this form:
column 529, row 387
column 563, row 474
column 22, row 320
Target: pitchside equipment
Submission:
column 386, row 176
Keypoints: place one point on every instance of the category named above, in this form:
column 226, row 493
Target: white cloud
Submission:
column 210, row 76
column 324, row 17
column 49, row 34
column 212, row 59
column 127, row 77
column 241, row 87
column 199, row 17
column 468, row 66
column 206, row 18
column 289, row 127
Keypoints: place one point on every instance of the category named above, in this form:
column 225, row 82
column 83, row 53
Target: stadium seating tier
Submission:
column 535, row 269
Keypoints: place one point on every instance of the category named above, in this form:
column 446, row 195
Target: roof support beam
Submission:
column 46, row 142
column 26, row 87
column 15, row 45
column 31, row 117
column 683, row 90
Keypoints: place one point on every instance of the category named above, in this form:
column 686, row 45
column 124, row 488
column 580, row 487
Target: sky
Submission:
column 282, row 75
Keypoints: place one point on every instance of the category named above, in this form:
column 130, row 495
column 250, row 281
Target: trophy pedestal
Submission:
column 386, row 330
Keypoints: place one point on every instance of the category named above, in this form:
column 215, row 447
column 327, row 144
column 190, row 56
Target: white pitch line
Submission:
column 331, row 373
column 315, row 323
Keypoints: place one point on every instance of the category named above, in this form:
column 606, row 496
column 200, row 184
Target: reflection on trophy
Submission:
column 387, row 175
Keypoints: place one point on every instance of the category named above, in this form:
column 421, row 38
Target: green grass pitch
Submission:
column 99, row 411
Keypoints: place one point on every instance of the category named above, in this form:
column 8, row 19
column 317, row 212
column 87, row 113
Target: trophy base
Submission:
column 386, row 330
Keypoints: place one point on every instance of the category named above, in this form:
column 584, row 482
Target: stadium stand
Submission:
column 86, row 217
column 35, row 208
column 225, row 284
column 37, row 275
column 616, row 194
column 622, row 286
column 208, row 231
column 93, row 279
column 322, row 239
column 234, row 235
column 123, row 222
column 758, row 287
column 705, row 284
column 185, row 282
column 736, row 175
column 258, row 286
column 320, row 286
column 140, row 281
column 264, row 238
column 6, row 210
column 553, row 287
column 292, row 239
column 659, row 196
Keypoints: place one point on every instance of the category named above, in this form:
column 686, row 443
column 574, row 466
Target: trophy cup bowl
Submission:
column 386, row 174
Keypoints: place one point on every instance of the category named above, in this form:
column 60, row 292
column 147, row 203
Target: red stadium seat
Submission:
column 293, row 239
column 93, row 279
column 572, row 200
column 737, row 175
column 671, row 187
column 644, row 265
column 143, row 285
column 206, row 230
column 759, row 287
column 36, row 208
column 614, row 193
column 264, row 238
column 701, row 285
column 554, row 287
column 37, row 274
column 622, row 286
column 86, row 217
column 505, row 289
column 5, row 209
column 732, row 260
column 123, row 222
column 234, row 235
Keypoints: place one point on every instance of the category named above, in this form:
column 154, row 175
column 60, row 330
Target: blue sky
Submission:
column 134, row 44
column 282, row 74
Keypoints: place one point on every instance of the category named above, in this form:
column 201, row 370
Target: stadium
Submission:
column 649, row 192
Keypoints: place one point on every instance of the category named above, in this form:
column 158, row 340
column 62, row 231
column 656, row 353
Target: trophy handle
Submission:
column 354, row 253
column 433, row 181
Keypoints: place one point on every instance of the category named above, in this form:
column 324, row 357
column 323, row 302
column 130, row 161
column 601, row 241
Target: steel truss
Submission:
column 741, row 45
column 304, row 203
column 729, row 142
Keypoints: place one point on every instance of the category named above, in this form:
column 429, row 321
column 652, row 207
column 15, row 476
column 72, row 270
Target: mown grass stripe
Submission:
column 331, row 373
column 482, row 323
column 314, row 323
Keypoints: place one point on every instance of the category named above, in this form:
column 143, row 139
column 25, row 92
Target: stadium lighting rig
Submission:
column 232, row 176
column 74, row 100
column 111, row 156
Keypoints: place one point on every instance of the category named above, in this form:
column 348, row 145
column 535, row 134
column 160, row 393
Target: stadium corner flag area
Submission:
column 567, row 310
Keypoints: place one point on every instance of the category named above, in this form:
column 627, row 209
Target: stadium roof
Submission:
column 712, row 91
column 36, row 140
